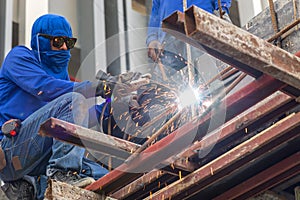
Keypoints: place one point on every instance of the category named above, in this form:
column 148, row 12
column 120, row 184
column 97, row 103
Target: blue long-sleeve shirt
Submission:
column 25, row 86
column 163, row 8
column 30, row 78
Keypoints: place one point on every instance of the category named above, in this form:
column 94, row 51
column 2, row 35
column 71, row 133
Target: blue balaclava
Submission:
column 54, row 62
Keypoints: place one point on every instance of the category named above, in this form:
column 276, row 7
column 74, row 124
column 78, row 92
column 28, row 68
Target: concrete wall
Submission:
column 6, row 8
column 250, row 8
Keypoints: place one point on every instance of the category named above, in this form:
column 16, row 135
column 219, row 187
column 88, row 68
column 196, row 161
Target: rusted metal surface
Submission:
column 239, row 123
column 170, row 27
column 251, row 149
column 138, row 184
column 87, row 138
column 175, row 22
column 243, row 47
column 265, row 179
column 257, row 58
column 176, row 142
column 242, row 122
column 178, row 32
column 287, row 12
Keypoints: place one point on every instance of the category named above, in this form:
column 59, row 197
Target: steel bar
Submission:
column 163, row 149
column 175, row 25
column 285, row 30
column 286, row 175
column 286, row 10
column 94, row 141
column 177, row 115
column 88, row 138
column 240, row 123
column 138, row 184
column 175, row 22
column 262, row 178
column 233, row 159
column 243, row 47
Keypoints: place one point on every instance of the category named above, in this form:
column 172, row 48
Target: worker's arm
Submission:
column 152, row 41
column 25, row 72
column 154, row 22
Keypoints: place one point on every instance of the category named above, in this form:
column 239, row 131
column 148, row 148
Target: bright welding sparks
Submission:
column 189, row 97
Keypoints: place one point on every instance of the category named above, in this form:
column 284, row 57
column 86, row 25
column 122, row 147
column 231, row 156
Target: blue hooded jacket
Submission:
column 163, row 8
column 30, row 78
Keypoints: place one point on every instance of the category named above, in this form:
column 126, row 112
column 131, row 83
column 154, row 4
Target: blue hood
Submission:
column 55, row 63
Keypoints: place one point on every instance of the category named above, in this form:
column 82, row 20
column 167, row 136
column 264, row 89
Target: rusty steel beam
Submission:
column 242, row 122
column 283, row 131
column 170, row 25
column 93, row 140
column 90, row 139
column 175, row 22
column 242, row 46
column 275, row 101
column 236, row 47
column 265, row 179
column 138, row 184
column 251, row 94
column 175, row 142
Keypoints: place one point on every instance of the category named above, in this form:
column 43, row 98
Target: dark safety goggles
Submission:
column 58, row 41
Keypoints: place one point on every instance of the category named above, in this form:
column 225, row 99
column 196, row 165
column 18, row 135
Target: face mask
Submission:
column 55, row 63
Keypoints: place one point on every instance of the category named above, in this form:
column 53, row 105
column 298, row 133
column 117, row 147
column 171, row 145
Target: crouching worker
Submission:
column 34, row 86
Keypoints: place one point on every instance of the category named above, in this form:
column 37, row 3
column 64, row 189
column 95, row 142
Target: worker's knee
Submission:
column 77, row 98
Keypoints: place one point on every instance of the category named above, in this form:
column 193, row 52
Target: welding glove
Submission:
column 122, row 78
column 154, row 49
column 225, row 15
column 103, row 88
column 107, row 83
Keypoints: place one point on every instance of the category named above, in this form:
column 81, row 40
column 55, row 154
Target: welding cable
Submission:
column 102, row 114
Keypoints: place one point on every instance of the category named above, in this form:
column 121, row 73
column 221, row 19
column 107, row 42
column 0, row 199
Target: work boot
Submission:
column 72, row 178
column 18, row 190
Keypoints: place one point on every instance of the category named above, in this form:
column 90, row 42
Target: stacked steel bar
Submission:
column 220, row 176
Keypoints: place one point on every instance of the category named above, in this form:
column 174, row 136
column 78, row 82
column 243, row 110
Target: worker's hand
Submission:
column 129, row 76
column 154, row 49
column 108, row 83
column 225, row 15
column 104, row 89
column 122, row 78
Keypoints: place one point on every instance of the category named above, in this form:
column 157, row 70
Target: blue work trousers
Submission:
column 28, row 153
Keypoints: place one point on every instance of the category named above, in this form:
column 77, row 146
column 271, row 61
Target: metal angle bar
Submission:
column 92, row 140
column 262, row 177
column 164, row 148
column 240, row 155
column 170, row 25
column 176, row 20
column 286, row 175
column 251, row 94
column 238, row 123
column 242, row 46
column 87, row 138
column 138, row 184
